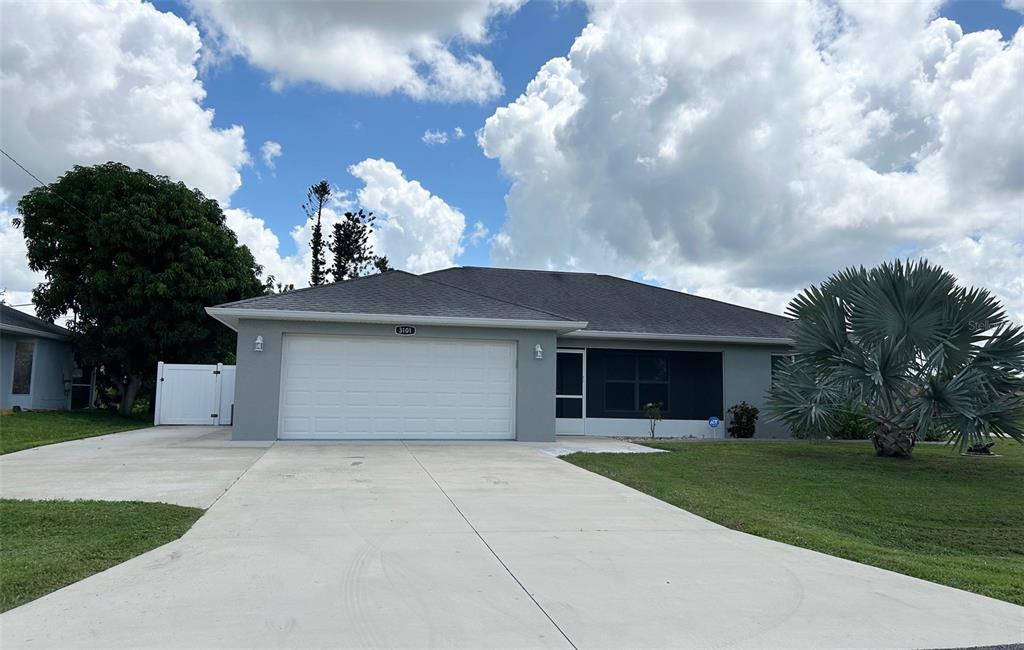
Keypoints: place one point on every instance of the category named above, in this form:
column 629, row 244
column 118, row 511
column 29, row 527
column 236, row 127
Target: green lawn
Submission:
column 938, row 516
column 45, row 545
column 34, row 428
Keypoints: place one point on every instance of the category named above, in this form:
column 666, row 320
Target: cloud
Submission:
column 417, row 230
column 479, row 234
column 435, row 137
column 458, row 133
column 270, row 151
column 743, row 152
column 84, row 83
column 1015, row 5
column 418, row 50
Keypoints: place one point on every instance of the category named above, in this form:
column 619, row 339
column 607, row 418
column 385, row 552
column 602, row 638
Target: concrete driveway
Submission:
column 481, row 545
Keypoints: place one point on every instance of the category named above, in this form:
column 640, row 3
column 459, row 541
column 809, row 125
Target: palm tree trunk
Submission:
column 893, row 441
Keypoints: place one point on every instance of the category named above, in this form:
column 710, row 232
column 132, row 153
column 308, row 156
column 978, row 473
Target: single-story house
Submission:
column 485, row 353
column 38, row 365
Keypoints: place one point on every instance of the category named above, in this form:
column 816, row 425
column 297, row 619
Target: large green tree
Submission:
column 906, row 346
column 134, row 258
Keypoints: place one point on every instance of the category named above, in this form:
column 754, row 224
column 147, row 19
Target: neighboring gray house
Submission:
column 480, row 353
column 36, row 362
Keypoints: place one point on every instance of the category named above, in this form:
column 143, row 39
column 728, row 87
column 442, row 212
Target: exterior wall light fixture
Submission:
column 257, row 345
column 538, row 352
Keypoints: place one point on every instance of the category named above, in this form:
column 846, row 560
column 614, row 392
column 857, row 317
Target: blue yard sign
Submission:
column 713, row 422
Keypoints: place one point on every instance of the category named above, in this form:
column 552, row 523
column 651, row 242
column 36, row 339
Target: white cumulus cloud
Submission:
column 417, row 230
column 458, row 133
column 270, row 151
column 434, row 137
column 744, row 151
column 85, row 83
column 414, row 48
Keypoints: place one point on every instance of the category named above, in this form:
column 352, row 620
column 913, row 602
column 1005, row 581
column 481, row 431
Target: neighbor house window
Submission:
column 22, row 384
column 632, row 380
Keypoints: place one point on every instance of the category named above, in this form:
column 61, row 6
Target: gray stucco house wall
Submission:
column 46, row 360
column 706, row 355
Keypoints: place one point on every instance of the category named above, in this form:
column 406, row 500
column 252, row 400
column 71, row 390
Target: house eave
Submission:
column 687, row 338
column 230, row 317
column 25, row 331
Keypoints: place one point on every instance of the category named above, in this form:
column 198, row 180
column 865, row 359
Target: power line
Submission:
column 36, row 178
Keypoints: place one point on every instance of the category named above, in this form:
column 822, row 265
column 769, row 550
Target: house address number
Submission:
column 405, row 330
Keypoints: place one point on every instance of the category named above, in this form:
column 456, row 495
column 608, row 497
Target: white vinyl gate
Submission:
column 194, row 393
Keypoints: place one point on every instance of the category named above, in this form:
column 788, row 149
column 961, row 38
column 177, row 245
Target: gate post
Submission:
column 159, row 389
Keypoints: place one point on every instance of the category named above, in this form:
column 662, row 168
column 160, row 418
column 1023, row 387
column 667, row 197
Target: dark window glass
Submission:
column 620, row 366
column 620, row 396
column 569, row 374
column 653, row 369
column 654, row 393
column 22, row 383
column 568, row 407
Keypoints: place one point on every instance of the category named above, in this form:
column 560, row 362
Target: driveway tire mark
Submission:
column 488, row 546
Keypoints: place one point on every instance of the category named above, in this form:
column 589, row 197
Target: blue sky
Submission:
column 735, row 150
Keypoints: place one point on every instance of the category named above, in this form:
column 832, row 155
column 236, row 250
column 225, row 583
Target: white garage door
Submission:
column 366, row 387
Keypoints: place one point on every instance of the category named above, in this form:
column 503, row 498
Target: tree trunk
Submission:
column 129, row 392
column 893, row 441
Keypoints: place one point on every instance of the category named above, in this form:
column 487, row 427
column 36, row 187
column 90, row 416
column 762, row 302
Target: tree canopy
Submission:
column 134, row 258
column 908, row 347
column 351, row 247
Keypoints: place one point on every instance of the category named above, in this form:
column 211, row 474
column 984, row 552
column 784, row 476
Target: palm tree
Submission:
column 908, row 346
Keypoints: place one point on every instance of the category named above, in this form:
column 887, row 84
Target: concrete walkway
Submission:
column 484, row 545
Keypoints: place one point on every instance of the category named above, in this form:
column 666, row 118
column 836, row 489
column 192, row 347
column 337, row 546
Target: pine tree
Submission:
column 317, row 196
column 350, row 244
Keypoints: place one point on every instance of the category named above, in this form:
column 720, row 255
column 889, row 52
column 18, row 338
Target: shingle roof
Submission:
column 11, row 317
column 607, row 303
column 613, row 304
column 398, row 293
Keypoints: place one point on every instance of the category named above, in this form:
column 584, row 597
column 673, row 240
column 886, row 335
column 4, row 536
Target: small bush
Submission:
column 852, row 423
column 744, row 420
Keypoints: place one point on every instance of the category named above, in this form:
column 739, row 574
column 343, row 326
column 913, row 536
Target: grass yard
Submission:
column 938, row 516
column 45, row 545
column 35, row 428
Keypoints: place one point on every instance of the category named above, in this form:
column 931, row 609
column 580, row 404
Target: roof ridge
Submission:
column 495, row 298
column 499, row 268
column 693, row 295
column 319, row 286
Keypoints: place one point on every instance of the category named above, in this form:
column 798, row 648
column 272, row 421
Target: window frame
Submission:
column 582, row 397
column 636, row 381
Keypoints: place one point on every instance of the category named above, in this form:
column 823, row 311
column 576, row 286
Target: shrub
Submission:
column 744, row 420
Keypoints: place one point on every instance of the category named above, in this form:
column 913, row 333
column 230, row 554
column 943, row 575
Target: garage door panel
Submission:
column 366, row 387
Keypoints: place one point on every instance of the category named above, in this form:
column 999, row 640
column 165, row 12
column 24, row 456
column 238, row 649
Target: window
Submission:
column 23, row 351
column 632, row 380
